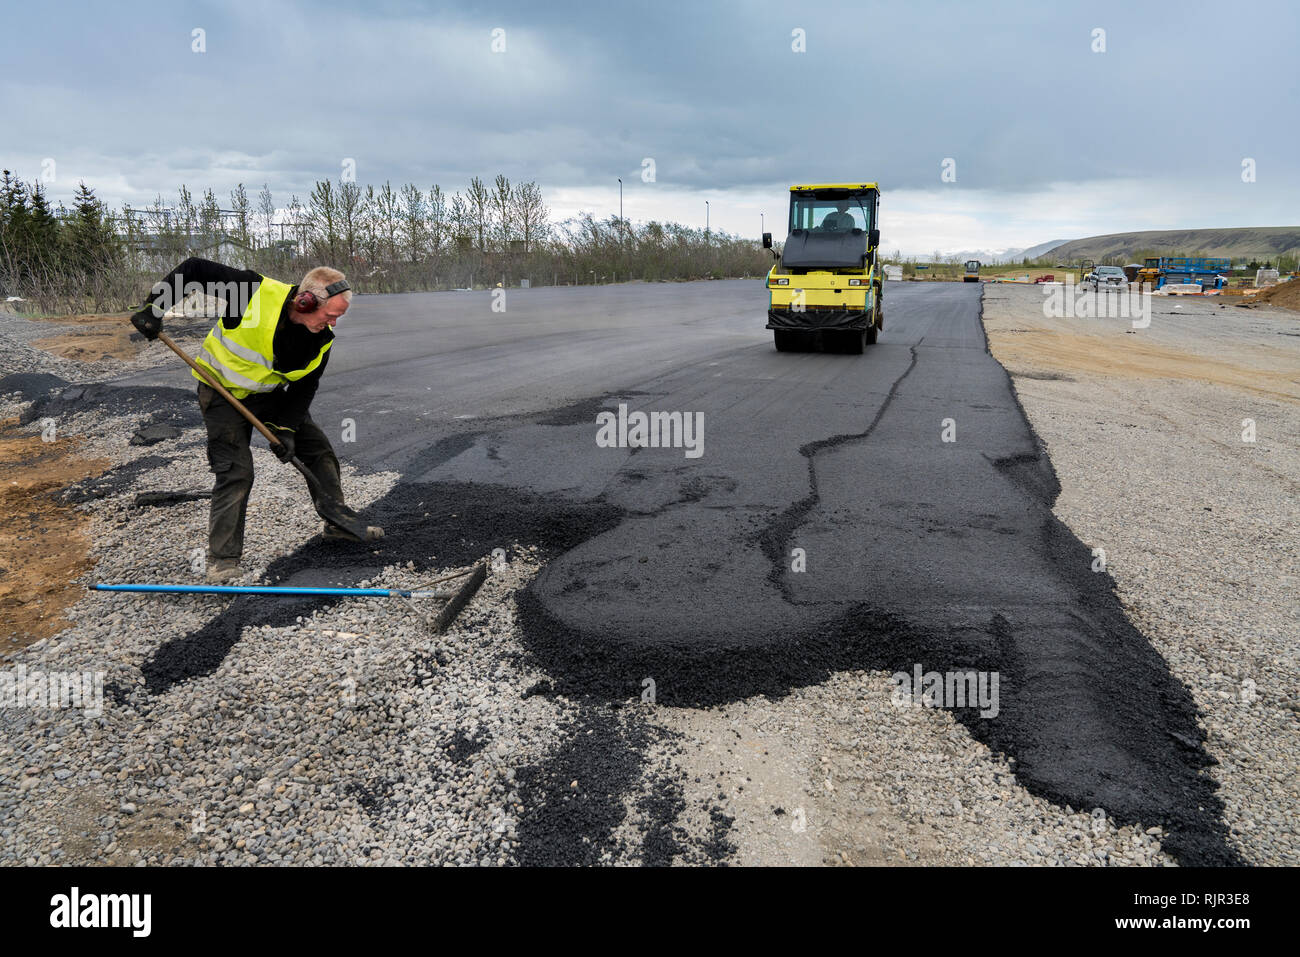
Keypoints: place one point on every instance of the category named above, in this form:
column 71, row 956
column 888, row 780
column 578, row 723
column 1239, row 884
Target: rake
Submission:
column 457, row 597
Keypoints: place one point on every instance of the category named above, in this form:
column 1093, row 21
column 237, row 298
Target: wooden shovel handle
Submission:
column 334, row 512
column 221, row 390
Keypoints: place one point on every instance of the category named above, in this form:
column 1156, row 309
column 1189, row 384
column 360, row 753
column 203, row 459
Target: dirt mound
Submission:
column 106, row 338
column 1285, row 295
column 100, row 337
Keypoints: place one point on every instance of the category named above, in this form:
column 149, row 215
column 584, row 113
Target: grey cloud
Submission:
column 711, row 91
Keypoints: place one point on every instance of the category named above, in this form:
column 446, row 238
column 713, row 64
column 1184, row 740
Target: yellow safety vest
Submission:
column 241, row 358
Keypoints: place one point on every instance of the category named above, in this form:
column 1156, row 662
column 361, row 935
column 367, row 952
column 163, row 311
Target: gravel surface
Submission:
column 1201, row 530
column 838, row 774
column 19, row 355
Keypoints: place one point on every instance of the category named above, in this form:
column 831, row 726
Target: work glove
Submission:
column 284, row 448
column 148, row 323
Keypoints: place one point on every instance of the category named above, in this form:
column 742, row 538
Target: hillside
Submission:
column 1042, row 249
column 1262, row 242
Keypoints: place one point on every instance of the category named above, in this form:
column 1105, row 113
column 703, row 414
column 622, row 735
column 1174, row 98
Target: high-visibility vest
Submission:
column 241, row 358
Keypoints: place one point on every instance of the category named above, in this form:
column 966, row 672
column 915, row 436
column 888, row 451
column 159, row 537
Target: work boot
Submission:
column 373, row 534
column 223, row 570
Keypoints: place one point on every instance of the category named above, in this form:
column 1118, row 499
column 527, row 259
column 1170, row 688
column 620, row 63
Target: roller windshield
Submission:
column 842, row 214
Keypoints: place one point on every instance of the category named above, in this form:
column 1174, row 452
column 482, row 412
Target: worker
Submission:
column 840, row 221
column 269, row 348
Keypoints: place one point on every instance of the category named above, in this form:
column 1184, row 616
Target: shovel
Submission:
column 334, row 512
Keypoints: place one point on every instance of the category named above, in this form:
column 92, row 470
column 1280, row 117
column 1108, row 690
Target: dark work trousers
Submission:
column 231, row 462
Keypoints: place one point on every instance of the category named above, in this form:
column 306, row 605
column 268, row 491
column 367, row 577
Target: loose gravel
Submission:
column 838, row 774
column 1200, row 528
column 21, row 356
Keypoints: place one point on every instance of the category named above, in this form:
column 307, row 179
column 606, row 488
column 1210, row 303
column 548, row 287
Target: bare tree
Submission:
column 437, row 219
column 239, row 204
column 388, row 221
column 370, row 232
column 502, row 210
column 460, row 219
column 324, row 215
column 480, row 201
column 266, row 214
column 412, row 222
column 352, row 213
column 530, row 214
column 209, row 220
column 186, row 216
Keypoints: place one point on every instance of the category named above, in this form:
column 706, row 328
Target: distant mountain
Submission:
column 1014, row 254
column 988, row 256
column 1246, row 242
column 1042, row 249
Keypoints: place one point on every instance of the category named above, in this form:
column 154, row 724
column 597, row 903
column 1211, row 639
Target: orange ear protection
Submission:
column 308, row 301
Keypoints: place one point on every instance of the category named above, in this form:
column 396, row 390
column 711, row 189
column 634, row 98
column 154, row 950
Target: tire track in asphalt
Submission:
column 777, row 536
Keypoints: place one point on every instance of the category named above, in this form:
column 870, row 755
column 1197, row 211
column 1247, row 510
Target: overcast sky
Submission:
column 1050, row 139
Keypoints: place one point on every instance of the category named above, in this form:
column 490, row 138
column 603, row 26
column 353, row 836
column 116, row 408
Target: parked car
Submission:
column 1106, row 276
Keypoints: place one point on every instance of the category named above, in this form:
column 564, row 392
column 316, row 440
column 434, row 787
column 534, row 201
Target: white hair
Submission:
column 317, row 279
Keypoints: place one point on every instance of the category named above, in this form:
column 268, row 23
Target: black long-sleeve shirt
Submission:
column 294, row 345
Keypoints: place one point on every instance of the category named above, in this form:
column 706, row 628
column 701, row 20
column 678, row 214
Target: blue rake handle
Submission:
column 270, row 590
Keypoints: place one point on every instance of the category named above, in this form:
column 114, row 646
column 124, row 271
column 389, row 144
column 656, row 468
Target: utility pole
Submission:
column 620, row 202
column 762, row 225
column 706, row 217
